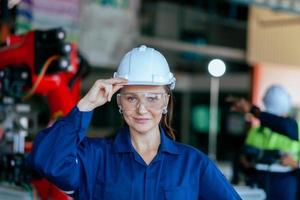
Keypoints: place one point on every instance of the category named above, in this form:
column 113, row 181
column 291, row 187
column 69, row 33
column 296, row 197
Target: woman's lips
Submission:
column 141, row 120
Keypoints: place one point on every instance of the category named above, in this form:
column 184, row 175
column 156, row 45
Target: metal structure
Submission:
column 292, row 6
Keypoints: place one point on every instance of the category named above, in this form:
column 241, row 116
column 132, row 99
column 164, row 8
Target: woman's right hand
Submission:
column 100, row 93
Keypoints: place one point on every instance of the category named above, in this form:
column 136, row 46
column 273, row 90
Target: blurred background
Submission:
column 258, row 40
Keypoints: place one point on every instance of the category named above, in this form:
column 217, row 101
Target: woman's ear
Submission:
column 119, row 104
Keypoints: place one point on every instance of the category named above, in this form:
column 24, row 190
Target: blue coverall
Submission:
column 100, row 168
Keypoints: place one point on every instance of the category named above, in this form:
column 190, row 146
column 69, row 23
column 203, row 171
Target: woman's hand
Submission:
column 100, row 93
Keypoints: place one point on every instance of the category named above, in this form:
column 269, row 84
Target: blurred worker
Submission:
column 143, row 161
column 272, row 149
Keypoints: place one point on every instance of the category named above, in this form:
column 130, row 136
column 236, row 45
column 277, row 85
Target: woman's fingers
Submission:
column 103, row 90
column 115, row 81
column 116, row 84
column 109, row 92
column 95, row 90
column 99, row 94
column 114, row 90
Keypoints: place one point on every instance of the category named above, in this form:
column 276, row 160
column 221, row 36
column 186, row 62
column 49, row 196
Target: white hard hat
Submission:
column 277, row 100
column 145, row 66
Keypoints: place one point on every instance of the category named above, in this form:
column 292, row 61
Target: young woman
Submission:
column 143, row 161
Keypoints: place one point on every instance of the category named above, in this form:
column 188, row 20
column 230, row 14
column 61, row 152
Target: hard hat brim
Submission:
column 145, row 83
column 170, row 85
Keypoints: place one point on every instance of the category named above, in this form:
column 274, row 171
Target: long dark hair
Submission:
column 166, row 119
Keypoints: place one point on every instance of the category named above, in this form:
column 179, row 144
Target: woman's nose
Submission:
column 141, row 108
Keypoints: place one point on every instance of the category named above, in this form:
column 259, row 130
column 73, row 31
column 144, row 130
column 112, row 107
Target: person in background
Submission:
column 272, row 149
column 143, row 161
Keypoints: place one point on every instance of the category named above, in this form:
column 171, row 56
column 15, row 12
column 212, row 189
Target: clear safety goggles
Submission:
column 151, row 101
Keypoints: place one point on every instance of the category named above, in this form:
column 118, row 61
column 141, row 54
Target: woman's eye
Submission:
column 152, row 99
column 131, row 99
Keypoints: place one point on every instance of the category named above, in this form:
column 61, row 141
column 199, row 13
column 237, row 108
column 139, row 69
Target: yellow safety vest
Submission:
column 266, row 139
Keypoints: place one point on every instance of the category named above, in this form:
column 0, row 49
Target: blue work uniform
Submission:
column 101, row 168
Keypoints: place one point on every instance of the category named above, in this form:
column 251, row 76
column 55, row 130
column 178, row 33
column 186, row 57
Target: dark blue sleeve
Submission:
column 58, row 151
column 214, row 185
column 283, row 125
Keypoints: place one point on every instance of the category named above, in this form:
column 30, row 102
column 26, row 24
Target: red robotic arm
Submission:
column 41, row 63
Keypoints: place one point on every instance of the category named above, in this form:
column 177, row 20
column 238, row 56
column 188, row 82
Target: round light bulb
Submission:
column 216, row 67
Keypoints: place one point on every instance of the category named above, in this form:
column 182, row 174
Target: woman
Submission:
column 143, row 161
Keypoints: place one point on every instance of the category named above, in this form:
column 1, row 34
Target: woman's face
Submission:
column 142, row 106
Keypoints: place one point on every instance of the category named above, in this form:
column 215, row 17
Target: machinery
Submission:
column 43, row 63
column 40, row 62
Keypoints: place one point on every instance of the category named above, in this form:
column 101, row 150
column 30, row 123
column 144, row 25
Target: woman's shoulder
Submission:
column 98, row 142
column 192, row 158
column 188, row 150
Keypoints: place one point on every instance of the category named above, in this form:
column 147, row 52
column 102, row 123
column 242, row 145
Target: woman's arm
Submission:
column 56, row 154
column 213, row 185
column 62, row 153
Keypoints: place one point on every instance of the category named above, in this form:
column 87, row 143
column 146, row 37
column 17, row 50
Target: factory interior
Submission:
column 236, row 98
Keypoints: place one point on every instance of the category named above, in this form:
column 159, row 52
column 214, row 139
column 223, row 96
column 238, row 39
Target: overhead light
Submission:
column 216, row 67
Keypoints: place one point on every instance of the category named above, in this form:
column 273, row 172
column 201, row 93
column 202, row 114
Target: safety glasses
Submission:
column 150, row 100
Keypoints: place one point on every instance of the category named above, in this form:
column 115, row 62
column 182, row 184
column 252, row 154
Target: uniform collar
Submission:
column 122, row 143
column 166, row 144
